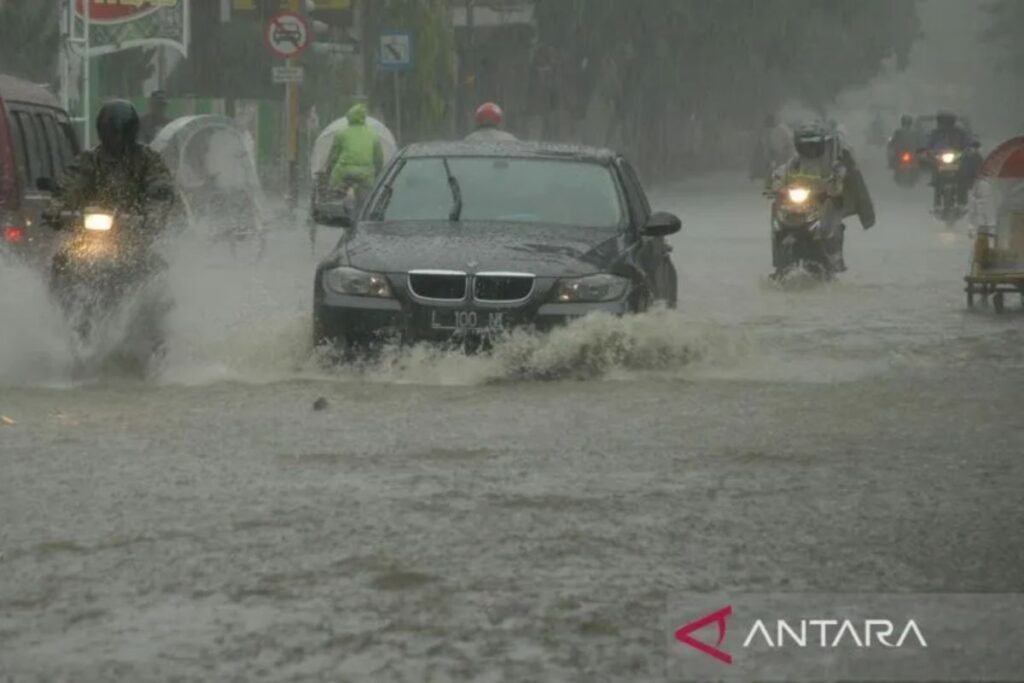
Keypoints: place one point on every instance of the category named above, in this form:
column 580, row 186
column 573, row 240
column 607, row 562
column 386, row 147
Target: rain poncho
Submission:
column 356, row 154
column 838, row 169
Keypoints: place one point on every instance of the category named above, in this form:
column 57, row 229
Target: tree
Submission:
column 1005, row 32
column 428, row 90
column 727, row 61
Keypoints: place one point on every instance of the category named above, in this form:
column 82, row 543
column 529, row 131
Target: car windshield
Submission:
column 545, row 191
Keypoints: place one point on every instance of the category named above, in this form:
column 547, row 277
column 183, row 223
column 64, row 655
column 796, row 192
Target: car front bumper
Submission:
column 403, row 319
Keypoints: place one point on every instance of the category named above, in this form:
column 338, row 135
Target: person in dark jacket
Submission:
column 119, row 174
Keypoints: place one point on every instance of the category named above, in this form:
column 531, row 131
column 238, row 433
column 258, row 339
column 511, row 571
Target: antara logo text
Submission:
column 803, row 633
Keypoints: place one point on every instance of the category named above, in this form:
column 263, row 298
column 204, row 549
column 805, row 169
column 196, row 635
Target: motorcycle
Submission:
column 948, row 207
column 107, row 281
column 798, row 238
column 906, row 170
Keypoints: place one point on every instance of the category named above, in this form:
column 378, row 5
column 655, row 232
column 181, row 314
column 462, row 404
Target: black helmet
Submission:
column 117, row 125
column 906, row 120
column 945, row 119
column 811, row 140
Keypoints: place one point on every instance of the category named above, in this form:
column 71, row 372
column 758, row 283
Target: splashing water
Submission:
column 34, row 341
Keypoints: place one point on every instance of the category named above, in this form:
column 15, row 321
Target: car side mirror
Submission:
column 333, row 214
column 662, row 223
column 47, row 184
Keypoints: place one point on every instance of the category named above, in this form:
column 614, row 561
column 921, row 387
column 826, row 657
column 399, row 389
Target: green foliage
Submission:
column 30, row 39
column 726, row 60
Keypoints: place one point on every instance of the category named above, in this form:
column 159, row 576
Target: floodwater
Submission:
column 526, row 515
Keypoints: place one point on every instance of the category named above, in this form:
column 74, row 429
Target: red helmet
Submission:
column 489, row 114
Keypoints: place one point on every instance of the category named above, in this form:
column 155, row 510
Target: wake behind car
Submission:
column 462, row 241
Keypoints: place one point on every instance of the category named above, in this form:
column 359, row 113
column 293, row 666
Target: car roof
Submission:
column 19, row 90
column 509, row 148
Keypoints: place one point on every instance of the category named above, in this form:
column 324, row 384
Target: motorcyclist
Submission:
column 947, row 135
column 489, row 120
column 774, row 147
column 119, row 174
column 356, row 157
column 822, row 160
column 903, row 139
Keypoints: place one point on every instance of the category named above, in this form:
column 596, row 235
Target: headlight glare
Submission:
column 355, row 282
column 592, row 288
column 101, row 222
column 798, row 195
column 948, row 157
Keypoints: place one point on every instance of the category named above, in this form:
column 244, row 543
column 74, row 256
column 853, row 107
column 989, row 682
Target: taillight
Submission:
column 14, row 233
column 907, row 157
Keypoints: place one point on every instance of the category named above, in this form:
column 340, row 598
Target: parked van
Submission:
column 36, row 141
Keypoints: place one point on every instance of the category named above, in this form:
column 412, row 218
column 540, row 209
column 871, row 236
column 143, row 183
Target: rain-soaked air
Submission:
column 458, row 340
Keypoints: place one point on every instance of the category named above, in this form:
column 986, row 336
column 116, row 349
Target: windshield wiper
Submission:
column 456, row 211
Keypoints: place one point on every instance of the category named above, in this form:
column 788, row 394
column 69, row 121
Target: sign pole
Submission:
column 395, row 55
column 86, row 78
column 398, row 106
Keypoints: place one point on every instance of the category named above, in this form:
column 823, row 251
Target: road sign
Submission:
column 395, row 52
column 287, row 34
column 286, row 74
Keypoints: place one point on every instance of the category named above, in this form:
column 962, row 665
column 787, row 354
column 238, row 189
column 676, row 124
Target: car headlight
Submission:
column 948, row 157
column 798, row 195
column 602, row 287
column 101, row 222
column 355, row 282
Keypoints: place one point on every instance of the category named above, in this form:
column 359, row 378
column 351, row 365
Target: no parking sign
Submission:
column 287, row 35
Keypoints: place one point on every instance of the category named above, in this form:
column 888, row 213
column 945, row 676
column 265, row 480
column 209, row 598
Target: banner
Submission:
column 116, row 25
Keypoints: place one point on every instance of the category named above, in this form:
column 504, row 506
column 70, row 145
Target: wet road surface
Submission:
column 523, row 516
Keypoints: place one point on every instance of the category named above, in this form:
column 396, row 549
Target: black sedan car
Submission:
column 461, row 240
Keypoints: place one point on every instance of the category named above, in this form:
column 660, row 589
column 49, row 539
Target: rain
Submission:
column 476, row 389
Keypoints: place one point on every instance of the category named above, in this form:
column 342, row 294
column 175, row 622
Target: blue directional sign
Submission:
column 395, row 53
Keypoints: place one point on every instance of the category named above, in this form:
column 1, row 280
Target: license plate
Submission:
column 468, row 321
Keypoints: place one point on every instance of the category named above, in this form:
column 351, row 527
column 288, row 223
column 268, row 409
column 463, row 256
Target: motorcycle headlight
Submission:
column 798, row 195
column 101, row 222
column 592, row 288
column 355, row 282
column 947, row 157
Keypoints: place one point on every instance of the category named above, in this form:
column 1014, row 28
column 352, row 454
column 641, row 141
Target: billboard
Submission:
column 122, row 24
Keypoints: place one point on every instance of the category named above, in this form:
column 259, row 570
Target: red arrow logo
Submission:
column 719, row 617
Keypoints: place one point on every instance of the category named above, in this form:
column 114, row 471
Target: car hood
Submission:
column 544, row 250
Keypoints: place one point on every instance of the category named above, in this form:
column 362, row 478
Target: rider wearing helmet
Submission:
column 904, row 139
column 118, row 174
column 949, row 135
column 823, row 161
column 489, row 120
